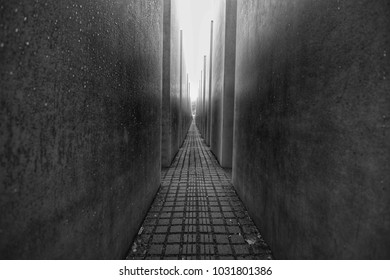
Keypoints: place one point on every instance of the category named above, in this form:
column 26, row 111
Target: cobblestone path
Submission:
column 196, row 213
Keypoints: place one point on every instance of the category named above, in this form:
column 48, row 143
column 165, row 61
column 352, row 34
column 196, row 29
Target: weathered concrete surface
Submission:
column 166, row 122
column 184, row 114
column 199, row 106
column 205, row 97
column 201, row 114
column 175, row 113
column 229, row 80
column 202, row 119
column 210, row 83
column 311, row 140
column 216, row 86
column 222, row 90
column 80, row 111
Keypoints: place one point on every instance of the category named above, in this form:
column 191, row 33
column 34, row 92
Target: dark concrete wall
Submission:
column 229, row 80
column 201, row 112
column 222, row 90
column 80, row 111
column 171, row 94
column 184, row 98
column 217, row 85
column 175, row 111
column 209, row 88
column 311, row 140
column 203, row 118
column 167, row 118
column 199, row 106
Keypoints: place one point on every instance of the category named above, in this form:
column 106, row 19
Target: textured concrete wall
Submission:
column 203, row 119
column 205, row 96
column 311, row 140
column 199, row 105
column 209, row 87
column 229, row 86
column 201, row 111
column 222, row 89
column 80, row 125
column 175, row 111
column 217, row 80
column 167, row 118
column 183, row 86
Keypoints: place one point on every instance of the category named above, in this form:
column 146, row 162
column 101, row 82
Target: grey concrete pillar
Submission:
column 209, row 113
column 166, row 154
column 228, row 81
column 204, row 98
column 80, row 152
column 181, row 90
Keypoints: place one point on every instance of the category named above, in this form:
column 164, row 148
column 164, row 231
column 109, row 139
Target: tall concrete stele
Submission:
column 311, row 141
column 176, row 110
column 222, row 83
column 80, row 126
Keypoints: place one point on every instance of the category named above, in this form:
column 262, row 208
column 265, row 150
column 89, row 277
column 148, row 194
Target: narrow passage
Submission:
column 196, row 213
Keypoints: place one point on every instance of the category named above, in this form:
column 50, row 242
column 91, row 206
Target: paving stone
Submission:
column 224, row 250
column 220, row 229
column 218, row 221
column 177, row 221
column 155, row 249
column 174, row 238
column 190, row 229
column 206, row 238
column 204, row 228
column 150, row 222
column 178, row 215
column 172, row 249
column 175, row 229
column 233, row 229
column 207, row 249
column 189, row 238
column 163, row 221
column 222, row 238
column 165, row 215
column 161, row 229
column 189, row 249
column 158, row 238
column 216, row 215
column 237, row 239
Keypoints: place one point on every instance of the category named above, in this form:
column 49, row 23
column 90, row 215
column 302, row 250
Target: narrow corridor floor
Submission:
column 197, row 213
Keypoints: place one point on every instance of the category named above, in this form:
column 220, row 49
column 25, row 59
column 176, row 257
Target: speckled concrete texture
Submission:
column 80, row 111
column 311, row 142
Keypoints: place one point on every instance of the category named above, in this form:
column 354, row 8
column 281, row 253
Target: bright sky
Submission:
column 195, row 19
